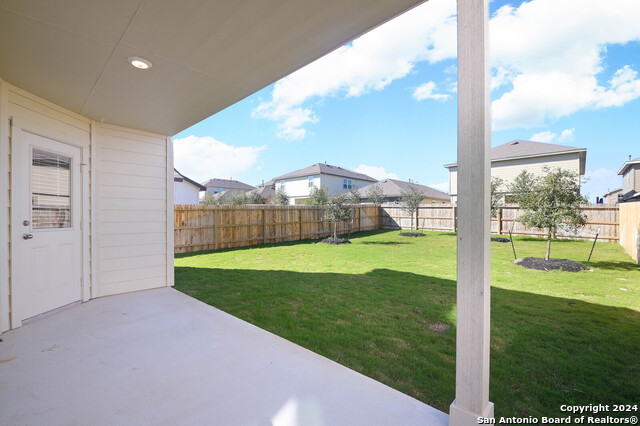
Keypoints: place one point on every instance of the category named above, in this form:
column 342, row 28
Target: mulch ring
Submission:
column 500, row 240
column 541, row 264
column 412, row 234
column 336, row 242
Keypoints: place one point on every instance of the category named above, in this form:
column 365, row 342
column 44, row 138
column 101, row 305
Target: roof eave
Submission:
column 581, row 151
column 626, row 165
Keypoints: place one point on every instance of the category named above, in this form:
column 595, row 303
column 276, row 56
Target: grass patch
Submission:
column 385, row 306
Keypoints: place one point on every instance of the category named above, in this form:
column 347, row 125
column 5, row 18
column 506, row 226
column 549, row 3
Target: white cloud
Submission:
column 548, row 136
column 548, row 57
column 202, row 158
column 425, row 91
column 370, row 63
column 552, row 55
column 375, row 172
column 545, row 137
column 600, row 181
column 442, row 186
column 566, row 135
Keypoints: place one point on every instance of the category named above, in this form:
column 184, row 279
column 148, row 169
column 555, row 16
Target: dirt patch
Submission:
column 500, row 240
column 438, row 327
column 541, row 264
column 336, row 242
column 412, row 234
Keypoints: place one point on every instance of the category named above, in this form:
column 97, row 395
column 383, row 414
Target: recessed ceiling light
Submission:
column 139, row 63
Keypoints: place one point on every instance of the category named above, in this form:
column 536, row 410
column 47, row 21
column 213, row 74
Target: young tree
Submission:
column 318, row 196
column 353, row 196
column 254, row 198
column 337, row 210
column 280, row 198
column 375, row 194
column 236, row 198
column 496, row 197
column 411, row 200
column 208, row 199
column 550, row 201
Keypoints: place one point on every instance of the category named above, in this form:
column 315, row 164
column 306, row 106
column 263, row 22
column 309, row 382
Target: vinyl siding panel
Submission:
column 127, row 175
column 132, row 199
column 185, row 193
column 510, row 169
column 636, row 178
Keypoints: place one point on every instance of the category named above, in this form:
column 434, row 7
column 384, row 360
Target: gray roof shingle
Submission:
column 326, row 169
column 227, row 184
column 520, row 148
column 394, row 188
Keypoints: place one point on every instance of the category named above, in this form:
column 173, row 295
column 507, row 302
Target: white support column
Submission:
column 474, row 219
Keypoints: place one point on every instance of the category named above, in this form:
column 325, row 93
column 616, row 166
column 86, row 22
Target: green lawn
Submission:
column 385, row 306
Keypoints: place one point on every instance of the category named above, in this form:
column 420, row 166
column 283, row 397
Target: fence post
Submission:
column 264, row 224
column 215, row 229
column 359, row 219
column 454, row 212
column 300, row 222
column 500, row 221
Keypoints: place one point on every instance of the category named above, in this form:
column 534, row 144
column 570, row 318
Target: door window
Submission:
column 50, row 190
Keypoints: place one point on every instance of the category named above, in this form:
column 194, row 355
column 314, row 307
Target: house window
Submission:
column 281, row 185
column 311, row 181
column 346, row 184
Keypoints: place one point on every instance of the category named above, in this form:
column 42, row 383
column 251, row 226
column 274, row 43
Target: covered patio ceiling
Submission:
column 206, row 54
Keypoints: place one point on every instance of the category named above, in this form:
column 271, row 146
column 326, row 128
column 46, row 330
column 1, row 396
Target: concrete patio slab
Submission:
column 161, row 357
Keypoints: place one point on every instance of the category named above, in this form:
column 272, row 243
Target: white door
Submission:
column 46, row 231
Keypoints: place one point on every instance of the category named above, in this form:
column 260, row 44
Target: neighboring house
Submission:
column 217, row 186
column 510, row 159
column 393, row 189
column 265, row 190
column 185, row 190
column 630, row 172
column 612, row 197
column 298, row 184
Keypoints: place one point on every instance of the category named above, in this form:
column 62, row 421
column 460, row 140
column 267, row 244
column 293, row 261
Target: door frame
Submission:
column 59, row 133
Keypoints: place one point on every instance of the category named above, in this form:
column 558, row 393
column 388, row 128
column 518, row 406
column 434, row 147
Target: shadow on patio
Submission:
column 545, row 350
column 161, row 357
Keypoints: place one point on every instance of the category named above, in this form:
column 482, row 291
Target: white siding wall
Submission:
column 38, row 116
column 132, row 196
column 636, row 178
column 335, row 183
column 127, row 203
column 185, row 193
column 298, row 187
column 508, row 170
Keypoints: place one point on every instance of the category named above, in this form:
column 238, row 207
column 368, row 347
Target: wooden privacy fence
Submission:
column 442, row 217
column 212, row 227
column 630, row 229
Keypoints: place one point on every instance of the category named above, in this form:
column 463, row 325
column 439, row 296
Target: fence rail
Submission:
column 443, row 217
column 213, row 227
column 207, row 227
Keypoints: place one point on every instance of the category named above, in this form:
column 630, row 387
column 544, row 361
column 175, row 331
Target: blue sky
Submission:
column 563, row 71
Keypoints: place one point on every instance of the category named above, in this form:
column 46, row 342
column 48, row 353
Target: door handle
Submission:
column 27, row 236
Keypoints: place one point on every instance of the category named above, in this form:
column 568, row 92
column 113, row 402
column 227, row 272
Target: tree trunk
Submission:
column 548, row 246
column 335, row 231
column 411, row 224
